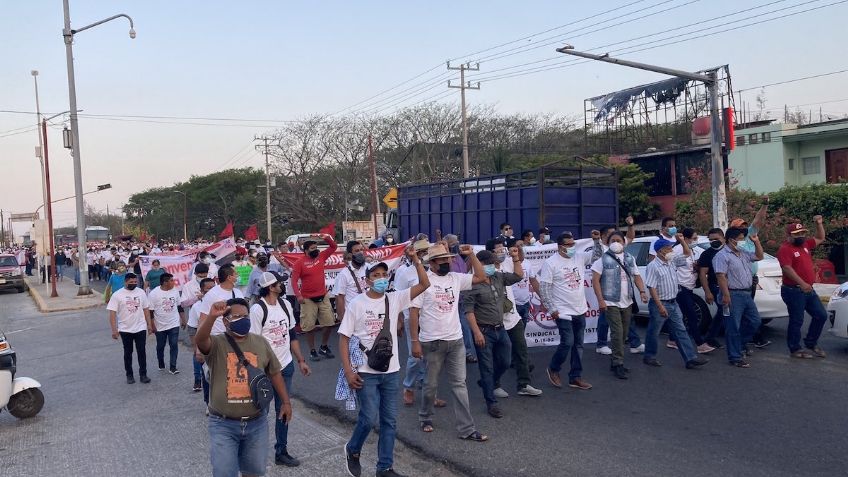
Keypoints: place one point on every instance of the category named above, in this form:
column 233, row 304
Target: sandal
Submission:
column 803, row 354
column 440, row 403
column 427, row 426
column 476, row 437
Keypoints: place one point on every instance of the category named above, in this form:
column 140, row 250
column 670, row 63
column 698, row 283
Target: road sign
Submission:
column 27, row 217
column 390, row 199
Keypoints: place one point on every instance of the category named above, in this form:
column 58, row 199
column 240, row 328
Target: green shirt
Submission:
column 243, row 272
column 229, row 393
column 486, row 300
column 153, row 277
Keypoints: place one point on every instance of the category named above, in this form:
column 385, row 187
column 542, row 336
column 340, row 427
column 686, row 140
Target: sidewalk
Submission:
column 67, row 299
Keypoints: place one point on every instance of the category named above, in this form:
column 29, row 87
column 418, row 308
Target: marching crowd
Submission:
column 452, row 306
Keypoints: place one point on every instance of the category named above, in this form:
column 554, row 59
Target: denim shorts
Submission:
column 237, row 446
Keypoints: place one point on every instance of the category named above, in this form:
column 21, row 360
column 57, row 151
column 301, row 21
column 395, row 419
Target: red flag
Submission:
column 330, row 229
column 143, row 237
column 251, row 233
column 227, row 232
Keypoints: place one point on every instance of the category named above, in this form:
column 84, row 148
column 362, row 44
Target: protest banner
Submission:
column 179, row 266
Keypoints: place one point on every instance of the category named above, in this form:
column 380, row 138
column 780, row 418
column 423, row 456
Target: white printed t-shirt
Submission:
column 129, row 307
column 164, row 306
column 521, row 290
column 364, row 318
column 215, row 295
column 439, row 304
column 566, row 276
column 277, row 329
column 194, row 314
column 344, row 284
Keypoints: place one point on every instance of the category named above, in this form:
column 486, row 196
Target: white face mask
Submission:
column 532, row 240
column 616, row 247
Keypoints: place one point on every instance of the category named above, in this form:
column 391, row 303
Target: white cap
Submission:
column 267, row 279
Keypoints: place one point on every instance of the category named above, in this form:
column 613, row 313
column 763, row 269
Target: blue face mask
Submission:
column 380, row 285
column 240, row 327
column 490, row 270
column 672, row 231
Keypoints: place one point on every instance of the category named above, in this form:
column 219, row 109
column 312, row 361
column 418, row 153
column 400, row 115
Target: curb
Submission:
column 43, row 307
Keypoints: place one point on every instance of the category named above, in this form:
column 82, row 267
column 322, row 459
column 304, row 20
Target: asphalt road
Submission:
column 780, row 417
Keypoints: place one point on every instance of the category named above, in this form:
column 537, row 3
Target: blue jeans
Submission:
column 416, row 369
column 686, row 302
column 570, row 345
column 603, row 333
column 676, row 331
column 797, row 302
column 493, row 359
column 76, row 276
column 172, row 337
column 467, row 336
column 523, row 311
column 238, row 446
column 379, row 395
column 198, row 369
column 742, row 307
column 281, row 429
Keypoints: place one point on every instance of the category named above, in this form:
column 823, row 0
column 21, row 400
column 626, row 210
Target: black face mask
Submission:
column 262, row 263
column 444, row 269
column 716, row 244
column 131, row 286
column 358, row 259
column 799, row 241
column 314, row 253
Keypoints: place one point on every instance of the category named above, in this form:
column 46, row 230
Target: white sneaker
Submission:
column 529, row 391
column 500, row 393
column 705, row 348
column 603, row 350
column 640, row 349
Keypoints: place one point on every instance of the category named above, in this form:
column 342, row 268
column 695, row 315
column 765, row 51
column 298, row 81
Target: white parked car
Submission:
column 768, row 300
column 837, row 311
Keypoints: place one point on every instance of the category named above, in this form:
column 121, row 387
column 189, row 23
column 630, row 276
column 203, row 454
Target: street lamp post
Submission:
column 711, row 81
column 68, row 36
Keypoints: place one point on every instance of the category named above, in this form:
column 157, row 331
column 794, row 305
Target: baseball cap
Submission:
column 662, row 243
column 267, row 279
column 544, row 230
column 795, row 228
column 374, row 266
column 738, row 223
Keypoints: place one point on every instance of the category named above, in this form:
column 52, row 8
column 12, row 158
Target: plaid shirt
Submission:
column 662, row 275
column 343, row 390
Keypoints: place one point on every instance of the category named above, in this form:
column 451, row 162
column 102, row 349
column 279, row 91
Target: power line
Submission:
column 793, row 81
column 388, row 89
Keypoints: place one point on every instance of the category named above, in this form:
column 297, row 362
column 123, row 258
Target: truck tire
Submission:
column 26, row 403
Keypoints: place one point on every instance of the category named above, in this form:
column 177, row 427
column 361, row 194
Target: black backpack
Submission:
column 380, row 354
column 264, row 307
column 261, row 389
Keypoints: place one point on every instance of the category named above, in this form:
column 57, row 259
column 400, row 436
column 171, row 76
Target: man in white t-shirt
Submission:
column 225, row 290
column 272, row 317
column 193, row 322
column 350, row 281
column 164, row 301
column 436, row 336
column 129, row 315
column 377, row 391
column 564, row 296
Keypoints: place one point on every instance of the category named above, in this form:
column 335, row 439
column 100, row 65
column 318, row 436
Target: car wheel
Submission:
column 26, row 403
column 705, row 319
column 21, row 290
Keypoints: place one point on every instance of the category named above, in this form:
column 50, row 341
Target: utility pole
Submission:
column 462, row 87
column 266, row 151
column 49, row 211
column 372, row 165
column 3, row 227
column 711, row 81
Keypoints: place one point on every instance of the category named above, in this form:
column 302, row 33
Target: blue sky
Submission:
column 285, row 60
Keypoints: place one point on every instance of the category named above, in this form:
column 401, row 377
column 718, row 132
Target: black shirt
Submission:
column 706, row 261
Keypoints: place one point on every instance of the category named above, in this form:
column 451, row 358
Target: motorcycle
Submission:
column 21, row 396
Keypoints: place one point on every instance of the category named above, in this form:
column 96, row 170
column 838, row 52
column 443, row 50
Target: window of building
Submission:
column 660, row 184
column 740, row 140
column 766, row 137
column 791, row 164
column 753, row 138
column 811, row 165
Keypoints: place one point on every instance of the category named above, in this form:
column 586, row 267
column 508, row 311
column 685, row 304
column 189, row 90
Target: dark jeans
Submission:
column 520, row 361
column 281, row 429
column 523, row 311
column 797, row 302
column 686, row 302
column 493, row 359
column 172, row 337
column 718, row 319
column 128, row 339
column 570, row 346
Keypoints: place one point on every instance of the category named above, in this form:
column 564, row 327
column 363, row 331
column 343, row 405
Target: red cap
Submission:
column 736, row 223
column 795, row 228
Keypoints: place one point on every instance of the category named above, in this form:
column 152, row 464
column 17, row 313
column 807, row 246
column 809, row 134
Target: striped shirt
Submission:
column 737, row 268
column 662, row 275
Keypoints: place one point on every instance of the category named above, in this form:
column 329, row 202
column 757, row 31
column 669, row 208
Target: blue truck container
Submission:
column 576, row 200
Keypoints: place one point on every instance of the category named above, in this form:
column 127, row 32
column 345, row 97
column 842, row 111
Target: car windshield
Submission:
column 8, row 262
column 706, row 245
